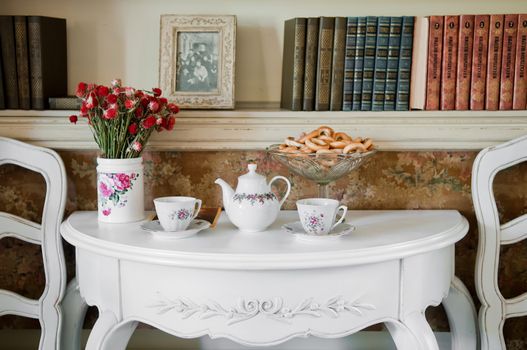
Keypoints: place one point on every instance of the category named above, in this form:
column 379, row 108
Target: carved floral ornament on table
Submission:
column 122, row 119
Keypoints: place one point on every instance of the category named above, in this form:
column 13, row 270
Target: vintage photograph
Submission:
column 196, row 61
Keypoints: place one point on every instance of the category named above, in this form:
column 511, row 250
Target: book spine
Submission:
column 392, row 65
column 349, row 63
column 359, row 64
column 310, row 70
column 369, row 63
column 402, row 101
column 492, row 97
column 464, row 61
column 293, row 64
column 520, row 77
column 325, row 59
column 479, row 62
column 510, row 31
column 381, row 62
column 419, row 63
column 337, row 66
column 433, row 74
column 22, row 64
column 2, row 93
column 35, row 62
column 7, row 43
column 449, row 63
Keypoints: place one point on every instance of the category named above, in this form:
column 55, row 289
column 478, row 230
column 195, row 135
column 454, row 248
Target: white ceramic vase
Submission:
column 120, row 193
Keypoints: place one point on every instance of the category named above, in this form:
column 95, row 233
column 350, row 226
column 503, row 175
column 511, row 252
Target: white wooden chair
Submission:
column 47, row 307
column 495, row 309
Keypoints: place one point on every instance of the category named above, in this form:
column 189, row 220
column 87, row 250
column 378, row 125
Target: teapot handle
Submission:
column 288, row 187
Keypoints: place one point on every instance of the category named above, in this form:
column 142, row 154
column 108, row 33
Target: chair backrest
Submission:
column 495, row 309
column 47, row 307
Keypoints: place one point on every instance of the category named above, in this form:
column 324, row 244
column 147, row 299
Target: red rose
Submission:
column 132, row 129
column 110, row 113
column 144, row 102
column 171, row 121
column 102, row 91
column 81, row 89
column 111, row 98
column 138, row 93
column 91, row 101
column 173, row 108
column 73, row 119
column 129, row 104
column 156, row 91
column 153, row 106
column 139, row 112
column 149, row 122
column 84, row 109
column 162, row 101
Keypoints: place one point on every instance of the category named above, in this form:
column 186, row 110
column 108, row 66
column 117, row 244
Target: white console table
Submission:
column 265, row 288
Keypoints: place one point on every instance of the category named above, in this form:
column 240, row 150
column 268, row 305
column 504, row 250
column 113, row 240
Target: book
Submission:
column 359, row 63
column 433, row 73
column 464, row 61
column 392, row 64
column 479, row 62
column 520, row 75
column 47, row 59
column 22, row 62
column 510, row 31
column 405, row 64
column 310, row 68
column 419, row 64
column 449, row 63
column 337, row 66
column 492, row 97
column 65, row 103
column 349, row 64
column 325, row 58
column 8, row 52
column 368, row 63
column 381, row 61
column 293, row 64
column 2, row 94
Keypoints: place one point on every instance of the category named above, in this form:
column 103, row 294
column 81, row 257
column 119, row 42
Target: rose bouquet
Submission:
column 122, row 118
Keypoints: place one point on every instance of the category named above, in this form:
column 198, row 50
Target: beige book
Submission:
column 419, row 63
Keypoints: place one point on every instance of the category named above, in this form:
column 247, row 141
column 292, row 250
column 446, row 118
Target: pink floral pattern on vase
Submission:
column 254, row 198
column 314, row 223
column 113, row 188
column 180, row 215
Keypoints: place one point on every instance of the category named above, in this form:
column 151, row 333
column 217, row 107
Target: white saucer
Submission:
column 296, row 229
column 155, row 228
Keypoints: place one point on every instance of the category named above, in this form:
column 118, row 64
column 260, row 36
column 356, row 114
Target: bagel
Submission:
column 325, row 130
column 291, row 142
column 341, row 136
column 354, row 146
column 314, row 146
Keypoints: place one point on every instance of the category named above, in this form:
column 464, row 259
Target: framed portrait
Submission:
column 196, row 60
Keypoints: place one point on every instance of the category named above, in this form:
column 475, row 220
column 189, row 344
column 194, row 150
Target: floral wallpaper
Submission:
column 390, row 180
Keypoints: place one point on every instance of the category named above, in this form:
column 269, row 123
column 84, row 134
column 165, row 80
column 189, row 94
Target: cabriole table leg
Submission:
column 109, row 334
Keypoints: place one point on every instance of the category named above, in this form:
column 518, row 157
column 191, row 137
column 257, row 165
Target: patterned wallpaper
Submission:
column 391, row 180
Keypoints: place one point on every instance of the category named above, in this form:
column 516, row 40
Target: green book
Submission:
column 405, row 63
column 369, row 63
column 293, row 64
column 359, row 60
column 381, row 60
column 392, row 65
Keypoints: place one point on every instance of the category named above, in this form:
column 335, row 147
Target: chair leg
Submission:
column 74, row 310
column 462, row 317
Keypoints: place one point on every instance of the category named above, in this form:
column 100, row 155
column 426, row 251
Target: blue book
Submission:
column 405, row 64
column 369, row 63
column 392, row 66
column 359, row 60
column 381, row 60
column 349, row 63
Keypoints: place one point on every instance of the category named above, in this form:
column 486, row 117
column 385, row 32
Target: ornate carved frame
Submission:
column 171, row 25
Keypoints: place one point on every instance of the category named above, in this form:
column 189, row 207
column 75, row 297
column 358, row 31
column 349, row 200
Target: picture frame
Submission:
column 196, row 60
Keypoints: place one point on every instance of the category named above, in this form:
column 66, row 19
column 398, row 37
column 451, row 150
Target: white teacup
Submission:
column 318, row 215
column 176, row 213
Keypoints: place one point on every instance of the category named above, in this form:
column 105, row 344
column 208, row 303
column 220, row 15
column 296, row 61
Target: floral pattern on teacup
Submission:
column 313, row 222
column 180, row 215
column 113, row 188
column 254, row 198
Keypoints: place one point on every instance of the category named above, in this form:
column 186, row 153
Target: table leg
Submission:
column 109, row 334
column 74, row 310
column 413, row 333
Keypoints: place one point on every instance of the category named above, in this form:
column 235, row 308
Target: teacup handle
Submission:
column 288, row 187
column 345, row 210
column 196, row 211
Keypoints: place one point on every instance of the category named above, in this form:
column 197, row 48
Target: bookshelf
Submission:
column 125, row 44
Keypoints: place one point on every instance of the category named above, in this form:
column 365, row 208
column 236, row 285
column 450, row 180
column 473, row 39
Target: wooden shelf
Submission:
column 257, row 128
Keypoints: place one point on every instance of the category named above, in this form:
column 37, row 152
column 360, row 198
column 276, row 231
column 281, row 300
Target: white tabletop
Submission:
column 379, row 236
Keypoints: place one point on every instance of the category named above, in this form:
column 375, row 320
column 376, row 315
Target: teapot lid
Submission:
column 252, row 181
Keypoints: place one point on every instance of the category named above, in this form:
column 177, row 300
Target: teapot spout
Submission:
column 228, row 192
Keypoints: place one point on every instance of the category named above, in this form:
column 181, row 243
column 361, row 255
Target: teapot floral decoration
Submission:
column 253, row 206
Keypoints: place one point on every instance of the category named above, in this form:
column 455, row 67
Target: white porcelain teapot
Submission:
column 253, row 207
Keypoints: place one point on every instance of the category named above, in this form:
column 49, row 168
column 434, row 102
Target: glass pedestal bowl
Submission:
column 320, row 168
